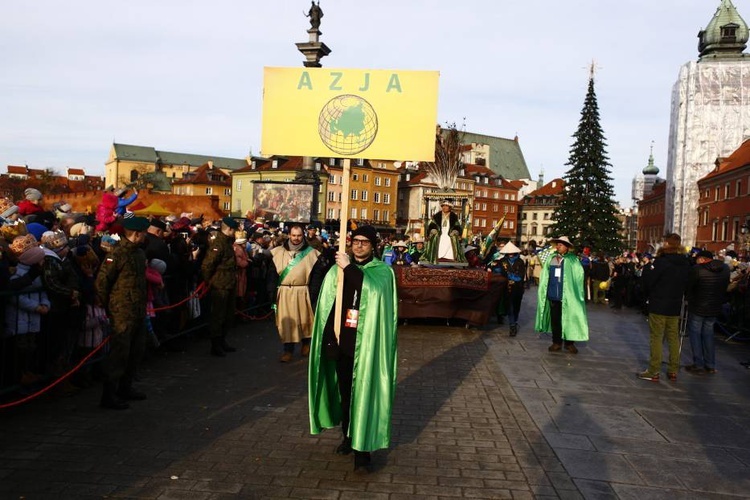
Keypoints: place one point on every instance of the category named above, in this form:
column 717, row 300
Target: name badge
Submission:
column 352, row 318
column 558, row 272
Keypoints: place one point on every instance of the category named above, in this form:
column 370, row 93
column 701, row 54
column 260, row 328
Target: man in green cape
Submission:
column 352, row 377
column 561, row 308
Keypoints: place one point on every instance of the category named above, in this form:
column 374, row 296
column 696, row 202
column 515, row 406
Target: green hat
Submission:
column 135, row 223
column 230, row 222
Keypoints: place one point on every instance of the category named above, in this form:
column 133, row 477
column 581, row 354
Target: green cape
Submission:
column 375, row 359
column 575, row 326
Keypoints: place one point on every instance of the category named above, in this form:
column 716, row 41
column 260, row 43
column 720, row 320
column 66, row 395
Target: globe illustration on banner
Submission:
column 347, row 124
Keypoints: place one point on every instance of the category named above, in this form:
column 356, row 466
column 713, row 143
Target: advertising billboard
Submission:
column 282, row 201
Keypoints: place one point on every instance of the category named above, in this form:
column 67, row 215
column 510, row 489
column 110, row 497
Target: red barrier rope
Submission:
column 199, row 292
column 59, row 380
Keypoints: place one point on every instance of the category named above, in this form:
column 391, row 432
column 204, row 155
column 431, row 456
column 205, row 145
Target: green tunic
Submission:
column 575, row 326
column 375, row 361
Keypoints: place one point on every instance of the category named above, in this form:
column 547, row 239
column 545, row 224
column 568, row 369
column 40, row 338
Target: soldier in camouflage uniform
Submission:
column 121, row 290
column 220, row 273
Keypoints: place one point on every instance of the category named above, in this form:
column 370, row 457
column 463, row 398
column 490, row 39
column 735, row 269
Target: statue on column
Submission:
column 315, row 14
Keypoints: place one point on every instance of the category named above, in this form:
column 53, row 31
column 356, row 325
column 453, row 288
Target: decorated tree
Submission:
column 587, row 211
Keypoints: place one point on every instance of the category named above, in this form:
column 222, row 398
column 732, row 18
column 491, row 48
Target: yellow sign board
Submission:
column 350, row 113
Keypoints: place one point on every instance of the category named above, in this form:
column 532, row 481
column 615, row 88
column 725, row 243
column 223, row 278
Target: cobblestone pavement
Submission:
column 238, row 428
column 477, row 415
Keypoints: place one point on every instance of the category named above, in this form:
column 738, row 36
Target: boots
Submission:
column 514, row 329
column 362, row 461
column 216, row 349
column 126, row 392
column 345, row 447
column 109, row 398
column 226, row 347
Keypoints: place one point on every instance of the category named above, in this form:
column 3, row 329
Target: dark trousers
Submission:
column 515, row 297
column 555, row 311
column 222, row 312
column 345, row 372
column 127, row 345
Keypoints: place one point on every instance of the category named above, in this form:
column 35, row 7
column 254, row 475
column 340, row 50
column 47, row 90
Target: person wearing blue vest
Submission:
column 561, row 308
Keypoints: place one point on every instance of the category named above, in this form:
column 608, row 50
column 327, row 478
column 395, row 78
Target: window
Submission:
column 365, row 178
column 275, row 164
column 484, row 206
column 494, row 207
column 377, row 197
column 340, row 195
column 331, row 196
column 546, row 216
column 387, row 182
column 738, row 189
column 226, row 206
column 354, row 213
column 376, row 214
column 209, row 190
column 364, row 195
column 329, row 215
column 512, row 209
column 320, row 187
column 495, row 195
column 386, row 218
column 523, row 216
column 355, row 177
column 332, row 180
column 227, row 192
column 354, row 194
column 726, row 190
column 476, row 206
column 511, row 224
column 238, row 185
column 478, row 193
column 476, row 222
column 507, row 196
column 320, row 208
column 534, row 216
column 716, row 196
column 386, row 198
column 484, row 222
column 715, row 230
column 505, row 224
column 377, row 180
column 724, row 229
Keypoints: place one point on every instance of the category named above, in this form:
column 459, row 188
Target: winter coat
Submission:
column 20, row 312
column 665, row 282
column 706, row 290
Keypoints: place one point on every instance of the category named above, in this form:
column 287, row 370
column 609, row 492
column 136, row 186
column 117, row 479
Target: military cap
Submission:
column 230, row 222
column 135, row 224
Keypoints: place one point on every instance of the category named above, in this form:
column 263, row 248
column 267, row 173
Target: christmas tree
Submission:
column 587, row 212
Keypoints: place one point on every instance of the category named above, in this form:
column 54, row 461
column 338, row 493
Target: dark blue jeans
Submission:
column 701, row 332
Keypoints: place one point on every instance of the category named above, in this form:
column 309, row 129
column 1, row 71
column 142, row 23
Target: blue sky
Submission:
column 184, row 75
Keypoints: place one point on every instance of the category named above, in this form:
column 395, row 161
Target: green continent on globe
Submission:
column 351, row 121
column 347, row 124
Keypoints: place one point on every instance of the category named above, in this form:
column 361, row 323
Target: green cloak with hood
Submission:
column 375, row 358
column 575, row 326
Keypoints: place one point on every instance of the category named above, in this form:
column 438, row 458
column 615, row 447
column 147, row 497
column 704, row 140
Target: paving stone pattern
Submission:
column 477, row 415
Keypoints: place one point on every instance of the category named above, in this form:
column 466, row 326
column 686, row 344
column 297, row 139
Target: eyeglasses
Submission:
column 363, row 243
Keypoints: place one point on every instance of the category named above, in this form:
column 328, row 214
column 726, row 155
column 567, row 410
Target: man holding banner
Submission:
column 352, row 374
column 288, row 280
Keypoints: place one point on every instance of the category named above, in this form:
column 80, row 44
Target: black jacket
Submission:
column 707, row 288
column 665, row 283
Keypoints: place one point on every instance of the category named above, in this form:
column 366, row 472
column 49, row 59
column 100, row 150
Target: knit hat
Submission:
column 368, row 232
column 77, row 228
column 240, row 237
column 159, row 265
column 37, row 230
column 32, row 194
column 27, row 250
column 706, row 254
column 7, row 208
column 54, row 240
column 109, row 241
column 10, row 230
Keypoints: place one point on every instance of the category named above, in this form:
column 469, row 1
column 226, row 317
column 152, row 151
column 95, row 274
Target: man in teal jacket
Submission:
column 561, row 308
column 352, row 376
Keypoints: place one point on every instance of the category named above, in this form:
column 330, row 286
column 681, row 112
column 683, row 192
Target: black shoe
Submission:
column 130, row 394
column 226, row 347
column 513, row 330
column 345, row 447
column 110, row 400
column 362, row 462
column 216, row 349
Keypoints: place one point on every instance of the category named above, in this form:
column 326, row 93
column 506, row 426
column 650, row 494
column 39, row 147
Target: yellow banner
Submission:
column 350, row 113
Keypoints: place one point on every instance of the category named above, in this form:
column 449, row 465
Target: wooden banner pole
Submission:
column 344, row 217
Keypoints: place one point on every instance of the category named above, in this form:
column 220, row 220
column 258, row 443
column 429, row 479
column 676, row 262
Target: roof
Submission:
column 505, row 159
column 552, row 188
column 518, row 184
column 148, row 154
column 738, row 159
column 713, row 43
column 76, row 171
column 473, row 169
column 205, row 175
column 284, row 164
column 15, row 169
